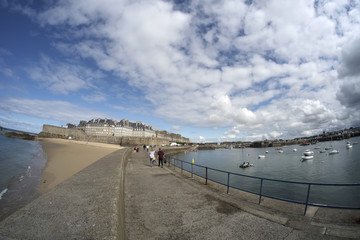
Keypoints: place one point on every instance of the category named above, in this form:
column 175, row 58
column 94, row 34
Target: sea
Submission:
column 21, row 163
column 288, row 165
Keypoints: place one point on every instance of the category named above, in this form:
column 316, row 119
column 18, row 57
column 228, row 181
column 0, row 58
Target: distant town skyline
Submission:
column 211, row 71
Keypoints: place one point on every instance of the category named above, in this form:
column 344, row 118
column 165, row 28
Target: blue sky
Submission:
column 209, row 70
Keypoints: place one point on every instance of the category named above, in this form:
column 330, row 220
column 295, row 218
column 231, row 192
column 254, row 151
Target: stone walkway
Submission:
column 163, row 204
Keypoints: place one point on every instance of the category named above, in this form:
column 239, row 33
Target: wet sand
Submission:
column 67, row 157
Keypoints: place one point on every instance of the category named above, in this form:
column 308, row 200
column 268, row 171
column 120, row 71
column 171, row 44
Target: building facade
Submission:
column 125, row 128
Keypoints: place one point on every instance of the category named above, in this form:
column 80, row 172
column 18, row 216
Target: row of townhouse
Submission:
column 109, row 127
column 124, row 128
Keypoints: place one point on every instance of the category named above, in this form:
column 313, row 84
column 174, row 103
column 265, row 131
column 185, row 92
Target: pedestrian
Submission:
column 144, row 147
column 152, row 157
column 160, row 157
column 135, row 149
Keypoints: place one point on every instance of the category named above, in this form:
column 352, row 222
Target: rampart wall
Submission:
column 50, row 131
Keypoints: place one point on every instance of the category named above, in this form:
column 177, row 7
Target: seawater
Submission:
column 21, row 163
column 341, row 168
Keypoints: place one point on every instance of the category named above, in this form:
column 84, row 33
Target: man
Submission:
column 161, row 155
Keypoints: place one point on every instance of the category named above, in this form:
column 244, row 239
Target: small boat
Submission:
column 328, row 148
column 308, row 152
column 348, row 145
column 304, row 157
column 322, row 151
column 266, row 151
column 246, row 164
column 334, row 152
column 281, row 151
column 261, row 156
column 295, row 150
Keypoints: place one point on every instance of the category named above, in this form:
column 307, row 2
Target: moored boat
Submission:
column 308, row 152
column 304, row 157
column 246, row 164
column 334, row 152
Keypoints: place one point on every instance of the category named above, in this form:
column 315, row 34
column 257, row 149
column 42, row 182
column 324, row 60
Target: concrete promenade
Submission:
column 164, row 204
column 160, row 203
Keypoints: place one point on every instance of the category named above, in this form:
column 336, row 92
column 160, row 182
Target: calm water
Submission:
column 323, row 168
column 21, row 162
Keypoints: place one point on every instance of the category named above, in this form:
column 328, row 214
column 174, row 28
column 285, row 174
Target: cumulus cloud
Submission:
column 349, row 94
column 201, row 139
column 176, row 128
column 350, row 57
column 62, row 77
column 60, row 110
column 263, row 67
column 96, row 97
column 349, row 71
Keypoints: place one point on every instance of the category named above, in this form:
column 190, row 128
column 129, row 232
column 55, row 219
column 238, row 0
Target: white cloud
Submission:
column 201, row 139
column 96, row 97
column 267, row 67
column 60, row 110
column 176, row 128
column 61, row 77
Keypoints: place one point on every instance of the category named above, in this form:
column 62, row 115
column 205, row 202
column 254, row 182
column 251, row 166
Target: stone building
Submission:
column 109, row 127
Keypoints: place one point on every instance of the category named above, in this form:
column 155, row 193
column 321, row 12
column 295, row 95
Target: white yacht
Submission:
column 308, row 152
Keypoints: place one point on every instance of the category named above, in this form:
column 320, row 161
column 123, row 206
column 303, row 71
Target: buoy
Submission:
column 192, row 161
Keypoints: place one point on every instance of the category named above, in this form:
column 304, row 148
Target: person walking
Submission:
column 161, row 155
column 152, row 157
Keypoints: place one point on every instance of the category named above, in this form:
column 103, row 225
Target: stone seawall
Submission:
column 50, row 131
column 60, row 132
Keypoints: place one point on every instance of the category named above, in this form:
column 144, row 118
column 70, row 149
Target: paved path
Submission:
column 159, row 204
column 162, row 204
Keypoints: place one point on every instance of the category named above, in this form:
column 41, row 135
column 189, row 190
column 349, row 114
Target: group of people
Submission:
column 152, row 154
column 160, row 157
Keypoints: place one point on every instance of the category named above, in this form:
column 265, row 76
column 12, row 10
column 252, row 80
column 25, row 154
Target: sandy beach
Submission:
column 67, row 157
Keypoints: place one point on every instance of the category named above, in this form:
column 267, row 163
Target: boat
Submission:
column 295, row 150
column 304, row 157
column 246, row 164
column 308, row 152
column 348, row 145
column 334, row 152
column 328, row 148
column 266, row 151
column 261, row 156
column 322, row 151
column 281, row 151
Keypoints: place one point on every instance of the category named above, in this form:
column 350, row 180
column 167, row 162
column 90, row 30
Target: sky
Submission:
column 209, row 70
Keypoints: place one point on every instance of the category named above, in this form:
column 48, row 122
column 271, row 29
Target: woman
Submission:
column 152, row 156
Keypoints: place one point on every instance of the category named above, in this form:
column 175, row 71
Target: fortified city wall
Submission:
column 50, row 131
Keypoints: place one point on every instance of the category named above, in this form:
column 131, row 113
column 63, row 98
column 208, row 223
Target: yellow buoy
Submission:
column 192, row 161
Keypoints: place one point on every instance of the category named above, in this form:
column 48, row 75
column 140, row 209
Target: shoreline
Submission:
column 64, row 158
